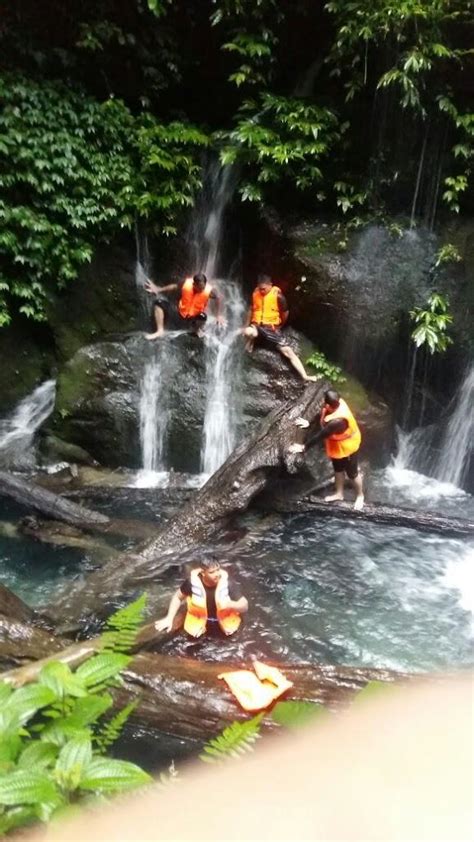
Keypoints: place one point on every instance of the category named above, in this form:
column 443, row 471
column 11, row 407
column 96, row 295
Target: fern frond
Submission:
column 111, row 730
column 237, row 739
column 122, row 627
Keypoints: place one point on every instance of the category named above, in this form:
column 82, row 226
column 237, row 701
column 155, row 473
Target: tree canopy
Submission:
column 359, row 106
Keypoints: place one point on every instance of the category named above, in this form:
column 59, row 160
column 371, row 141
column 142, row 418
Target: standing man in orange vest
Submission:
column 213, row 603
column 342, row 439
column 267, row 315
column 194, row 296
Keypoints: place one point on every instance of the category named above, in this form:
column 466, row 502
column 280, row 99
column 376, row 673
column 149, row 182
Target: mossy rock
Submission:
column 26, row 362
column 102, row 301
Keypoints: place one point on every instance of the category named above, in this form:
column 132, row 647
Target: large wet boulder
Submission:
column 105, row 388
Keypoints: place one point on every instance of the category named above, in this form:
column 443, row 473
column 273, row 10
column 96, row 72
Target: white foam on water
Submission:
column 459, row 576
column 151, row 479
column 419, row 487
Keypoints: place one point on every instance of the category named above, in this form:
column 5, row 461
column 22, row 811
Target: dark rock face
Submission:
column 98, row 404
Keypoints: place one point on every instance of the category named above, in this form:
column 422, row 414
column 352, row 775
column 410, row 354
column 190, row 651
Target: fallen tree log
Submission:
column 21, row 642
column 377, row 513
column 51, row 505
column 183, row 696
column 246, row 472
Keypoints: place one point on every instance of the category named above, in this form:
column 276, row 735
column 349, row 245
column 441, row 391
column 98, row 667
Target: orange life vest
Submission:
column 256, row 690
column 340, row 445
column 193, row 303
column 265, row 309
column 196, row 616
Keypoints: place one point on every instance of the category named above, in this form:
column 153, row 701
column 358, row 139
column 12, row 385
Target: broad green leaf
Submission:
column 24, row 787
column 38, row 755
column 26, row 701
column 107, row 775
column 101, row 668
column 59, row 678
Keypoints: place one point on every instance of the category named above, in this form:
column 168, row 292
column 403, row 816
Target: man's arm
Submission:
column 283, row 308
column 236, row 601
column 337, row 425
column 166, row 623
column 152, row 288
column 249, row 317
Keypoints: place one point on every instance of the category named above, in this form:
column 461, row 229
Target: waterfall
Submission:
column 222, row 354
column 154, row 410
column 222, row 378
column 458, row 441
column 17, row 431
column 442, row 451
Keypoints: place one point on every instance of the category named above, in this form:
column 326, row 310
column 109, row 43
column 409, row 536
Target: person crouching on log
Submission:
column 267, row 315
column 213, row 603
column 342, row 439
column 190, row 312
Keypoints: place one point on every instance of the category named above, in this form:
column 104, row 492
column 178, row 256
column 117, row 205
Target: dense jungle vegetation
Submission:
column 354, row 108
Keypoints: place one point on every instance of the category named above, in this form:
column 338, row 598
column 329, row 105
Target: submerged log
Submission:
column 184, row 696
column 21, row 642
column 45, row 502
column 378, row 513
column 245, row 473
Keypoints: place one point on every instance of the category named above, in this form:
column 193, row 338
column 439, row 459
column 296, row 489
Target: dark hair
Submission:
column 331, row 397
column 200, row 278
column 263, row 279
column 210, row 563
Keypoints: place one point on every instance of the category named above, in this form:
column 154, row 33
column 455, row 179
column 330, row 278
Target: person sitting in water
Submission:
column 267, row 315
column 190, row 312
column 213, row 603
column 342, row 439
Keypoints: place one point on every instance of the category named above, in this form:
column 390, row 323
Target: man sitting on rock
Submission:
column 267, row 315
column 190, row 312
column 213, row 603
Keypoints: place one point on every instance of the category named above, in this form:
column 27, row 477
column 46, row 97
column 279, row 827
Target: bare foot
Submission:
column 359, row 503
column 333, row 498
column 155, row 335
column 312, row 378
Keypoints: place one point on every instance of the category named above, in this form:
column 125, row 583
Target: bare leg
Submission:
column 250, row 334
column 159, row 321
column 357, row 485
column 295, row 361
column 339, row 479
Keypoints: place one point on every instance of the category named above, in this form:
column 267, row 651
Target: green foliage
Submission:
column 431, row 324
column 322, row 366
column 447, row 254
column 237, row 739
column 293, row 714
column 53, row 734
column 73, row 171
column 279, row 139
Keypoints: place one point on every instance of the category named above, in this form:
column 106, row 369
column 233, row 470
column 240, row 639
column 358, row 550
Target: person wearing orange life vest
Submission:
column 190, row 312
column 213, row 603
column 342, row 438
column 268, row 313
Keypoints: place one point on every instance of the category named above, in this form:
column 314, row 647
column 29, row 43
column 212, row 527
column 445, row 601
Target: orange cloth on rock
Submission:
column 256, row 690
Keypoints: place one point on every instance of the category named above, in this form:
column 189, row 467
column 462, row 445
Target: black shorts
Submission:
column 271, row 336
column 173, row 318
column 349, row 464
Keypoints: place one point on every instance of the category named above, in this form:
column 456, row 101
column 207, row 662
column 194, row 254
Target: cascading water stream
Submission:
column 17, row 431
column 448, row 463
column 458, row 442
column 221, row 353
column 154, row 410
column 222, row 377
